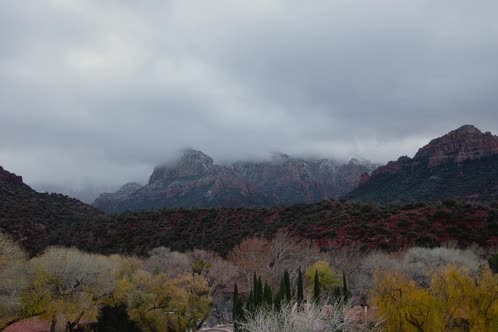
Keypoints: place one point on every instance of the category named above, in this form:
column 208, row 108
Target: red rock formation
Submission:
column 8, row 177
column 464, row 143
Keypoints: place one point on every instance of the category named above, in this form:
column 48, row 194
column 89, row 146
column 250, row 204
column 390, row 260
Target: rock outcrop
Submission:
column 464, row 143
column 195, row 181
column 10, row 178
column 462, row 164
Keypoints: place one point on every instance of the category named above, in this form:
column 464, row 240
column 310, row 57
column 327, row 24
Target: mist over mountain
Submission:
column 85, row 193
column 195, row 181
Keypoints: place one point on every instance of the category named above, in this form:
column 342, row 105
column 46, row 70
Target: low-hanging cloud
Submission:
column 101, row 91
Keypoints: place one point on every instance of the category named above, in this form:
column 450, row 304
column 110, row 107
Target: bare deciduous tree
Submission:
column 69, row 285
column 163, row 260
column 13, row 278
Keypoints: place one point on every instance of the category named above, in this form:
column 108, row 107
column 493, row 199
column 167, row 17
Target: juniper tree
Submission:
column 287, row 287
column 300, row 287
column 316, row 287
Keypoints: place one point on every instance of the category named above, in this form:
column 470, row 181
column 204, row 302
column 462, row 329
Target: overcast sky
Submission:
column 101, row 91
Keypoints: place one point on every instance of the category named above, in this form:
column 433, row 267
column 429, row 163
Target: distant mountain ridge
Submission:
column 462, row 164
column 195, row 181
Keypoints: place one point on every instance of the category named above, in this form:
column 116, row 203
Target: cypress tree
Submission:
column 250, row 302
column 267, row 296
column 287, row 287
column 238, row 311
column 259, row 290
column 235, row 302
column 255, row 290
column 279, row 297
column 345, row 287
column 300, row 287
column 316, row 288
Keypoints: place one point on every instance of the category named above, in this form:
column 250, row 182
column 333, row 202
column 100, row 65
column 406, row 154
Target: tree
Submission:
column 345, row 292
column 251, row 256
column 300, row 288
column 238, row 310
column 155, row 300
column 455, row 299
column 328, row 279
column 287, row 287
column 69, row 284
column 172, row 263
column 116, row 319
column 220, row 275
column 267, row 296
column 493, row 262
column 13, row 279
column 316, row 287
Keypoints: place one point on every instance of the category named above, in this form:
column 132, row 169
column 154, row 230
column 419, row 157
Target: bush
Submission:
column 311, row 318
column 493, row 262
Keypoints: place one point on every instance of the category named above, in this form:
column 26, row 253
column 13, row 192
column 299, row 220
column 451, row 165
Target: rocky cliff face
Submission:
column 464, row 143
column 460, row 164
column 195, row 181
column 192, row 163
column 9, row 178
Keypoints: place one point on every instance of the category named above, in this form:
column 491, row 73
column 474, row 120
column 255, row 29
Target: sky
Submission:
column 98, row 92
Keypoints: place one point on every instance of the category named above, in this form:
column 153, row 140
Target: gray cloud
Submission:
column 100, row 92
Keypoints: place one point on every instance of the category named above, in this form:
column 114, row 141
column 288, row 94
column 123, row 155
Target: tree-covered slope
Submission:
column 460, row 165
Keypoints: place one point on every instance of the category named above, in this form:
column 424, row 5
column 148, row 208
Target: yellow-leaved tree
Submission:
column 69, row 285
column 455, row 300
column 159, row 303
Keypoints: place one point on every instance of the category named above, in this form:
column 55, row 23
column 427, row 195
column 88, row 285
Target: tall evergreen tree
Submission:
column 287, row 286
column 267, row 296
column 255, row 290
column 250, row 302
column 237, row 311
column 259, row 291
column 280, row 296
column 316, row 288
column 300, row 288
column 345, row 287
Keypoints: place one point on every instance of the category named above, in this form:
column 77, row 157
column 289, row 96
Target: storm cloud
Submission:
column 101, row 91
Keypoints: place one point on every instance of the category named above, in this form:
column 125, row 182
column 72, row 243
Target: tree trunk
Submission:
column 52, row 324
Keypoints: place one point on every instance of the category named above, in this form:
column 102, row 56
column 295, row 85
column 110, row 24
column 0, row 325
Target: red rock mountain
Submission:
column 195, row 181
column 461, row 164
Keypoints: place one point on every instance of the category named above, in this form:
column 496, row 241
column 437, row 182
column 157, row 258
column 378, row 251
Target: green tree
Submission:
column 493, row 262
column 345, row 291
column 329, row 280
column 259, row 291
column 316, row 287
column 287, row 287
column 116, row 319
column 238, row 308
column 267, row 295
column 250, row 302
column 300, row 287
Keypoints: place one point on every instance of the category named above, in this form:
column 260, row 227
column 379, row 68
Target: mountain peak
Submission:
column 191, row 163
column 467, row 129
column 464, row 143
